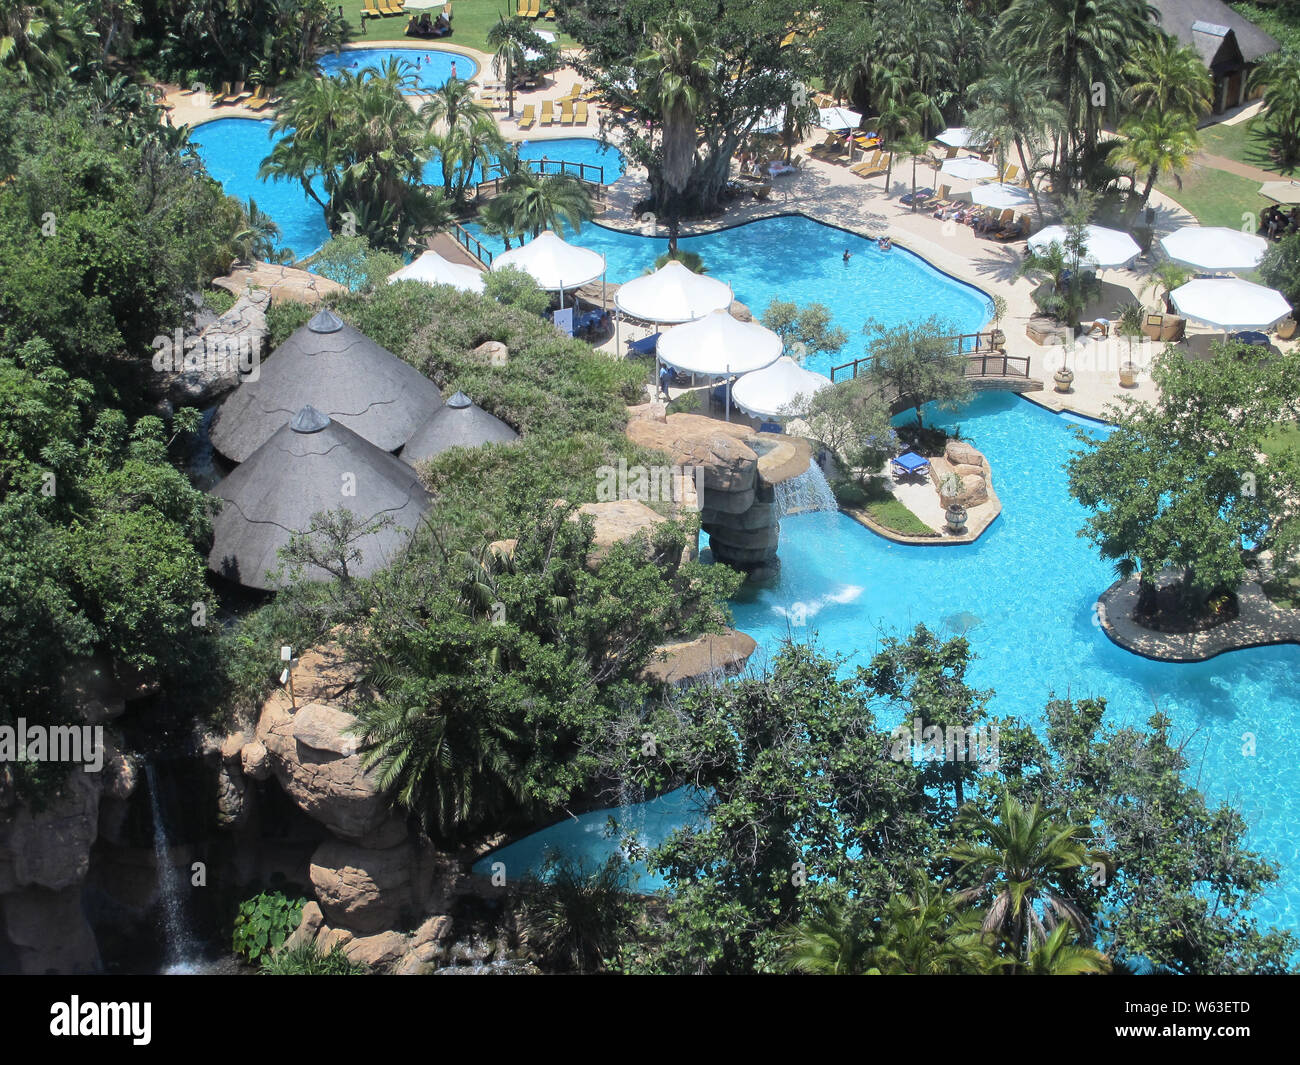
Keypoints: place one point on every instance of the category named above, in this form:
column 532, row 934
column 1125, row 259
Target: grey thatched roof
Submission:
column 457, row 424
column 1179, row 18
column 344, row 374
column 311, row 464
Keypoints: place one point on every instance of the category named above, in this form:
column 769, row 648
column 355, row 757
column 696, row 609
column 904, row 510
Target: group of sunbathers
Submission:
column 426, row 27
column 1278, row 223
column 977, row 218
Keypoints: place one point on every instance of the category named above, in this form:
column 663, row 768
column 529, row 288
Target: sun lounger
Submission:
column 566, row 112
column 919, row 197
column 534, row 9
column 580, row 114
column 370, row 9
column 260, row 100
column 1009, row 175
column 528, row 118
column 550, row 14
column 866, row 164
column 522, row 10
column 548, row 113
column 645, row 346
column 874, row 169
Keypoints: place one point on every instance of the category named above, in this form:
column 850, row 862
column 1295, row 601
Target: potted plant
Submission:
column 1163, row 279
column 954, row 513
column 1064, row 377
column 1128, row 324
column 997, row 338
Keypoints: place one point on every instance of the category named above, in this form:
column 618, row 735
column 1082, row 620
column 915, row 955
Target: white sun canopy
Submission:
column 1001, row 196
column 768, row 393
column 421, row 5
column 1102, row 247
column 836, row 118
column 1215, row 248
column 718, row 345
column 1230, row 303
column 553, row 264
column 1281, row 191
column 433, row 269
column 969, row 168
column 958, row 137
column 672, row 294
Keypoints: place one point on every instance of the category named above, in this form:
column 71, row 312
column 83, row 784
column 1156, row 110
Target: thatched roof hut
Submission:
column 458, row 423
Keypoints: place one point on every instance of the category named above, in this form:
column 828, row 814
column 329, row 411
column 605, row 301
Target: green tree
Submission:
column 1156, row 142
column 535, row 201
column 516, row 288
column 258, row 240
column 1013, row 105
column 932, row 932
column 1280, row 267
column 578, row 919
column 508, row 37
column 1059, row 955
column 1278, row 75
column 851, row 420
column 805, row 330
column 1168, row 77
column 916, row 363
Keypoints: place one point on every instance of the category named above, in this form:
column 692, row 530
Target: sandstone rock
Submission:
column 254, row 760
column 232, row 809
column 325, row 674
column 50, row 848
column 121, row 774
column 433, row 930
column 234, row 342
column 960, row 453
column 705, row 657
column 765, row 538
column 308, row 928
column 757, row 516
column 364, row 890
column 492, row 352
column 651, row 412
column 377, row 951
column 974, row 491
column 280, row 283
column 313, row 756
column 962, row 469
column 504, row 549
column 329, row 938
column 49, row 931
column 233, row 744
column 616, row 521
column 782, row 458
column 412, row 965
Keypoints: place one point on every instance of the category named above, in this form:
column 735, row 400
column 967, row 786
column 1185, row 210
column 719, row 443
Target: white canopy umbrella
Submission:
column 553, row 264
column 1230, row 303
column 433, row 269
column 969, row 169
column 1281, row 191
column 1001, row 196
column 719, row 345
column 771, row 121
column 422, row 5
column 1215, row 248
column 957, row 137
column 1103, row 247
column 768, row 393
column 673, row 294
column 837, row 118
column 531, row 54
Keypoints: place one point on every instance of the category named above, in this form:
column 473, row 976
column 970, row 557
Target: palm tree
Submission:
column 832, row 939
column 466, row 150
column 1167, row 76
column 496, row 216
column 544, row 201
column 574, row 918
column 674, row 72
column 256, row 242
column 457, row 122
column 1013, row 105
column 930, row 932
column 1085, row 43
column 31, row 40
column 1018, row 865
column 1059, row 955
column 1278, row 75
column 509, row 56
column 1166, row 276
column 1157, row 142
column 915, row 147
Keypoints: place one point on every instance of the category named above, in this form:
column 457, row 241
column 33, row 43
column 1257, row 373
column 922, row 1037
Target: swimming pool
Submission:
column 430, row 66
column 232, row 149
column 794, row 258
column 1029, row 585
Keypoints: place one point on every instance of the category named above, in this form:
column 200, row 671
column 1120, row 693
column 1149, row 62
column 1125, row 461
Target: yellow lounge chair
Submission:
column 875, row 170
column 548, row 113
column 534, row 9
column 528, row 117
column 1009, row 175
column 580, row 113
column 550, row 14
column 260, row 101
column 223, row 96
column 385, row 8
column 371, row 8
column 867, row 164
column 566, row 112
column 522, row 10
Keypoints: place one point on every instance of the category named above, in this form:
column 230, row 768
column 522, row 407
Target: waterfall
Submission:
column 181, row 953
column 807, row 492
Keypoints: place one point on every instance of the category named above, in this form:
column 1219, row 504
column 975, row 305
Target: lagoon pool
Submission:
column 232, row 150
column 1026, row 590
column 431, row 66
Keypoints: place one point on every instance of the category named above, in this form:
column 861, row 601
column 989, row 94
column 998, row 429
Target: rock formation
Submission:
column 971, row 469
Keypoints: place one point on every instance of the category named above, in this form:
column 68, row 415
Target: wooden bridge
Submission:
column 987, row 367
column 591, row 175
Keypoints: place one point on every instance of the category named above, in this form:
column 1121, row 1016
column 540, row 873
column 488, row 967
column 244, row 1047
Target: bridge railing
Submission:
column 471, row 243
column 996, row 364
column 972, row 345
column 591, row 175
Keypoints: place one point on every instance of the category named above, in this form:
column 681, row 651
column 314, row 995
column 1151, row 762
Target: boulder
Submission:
column 616, row 521
column 50, row 848
column 313, row 754
column 49, row 931
column 962, row 469
column 308, row 927
column 254, row 761
column 377, row 951
column 492, row 352
column 960, row 453
column 364, row 890
column 329, row 938
column 233, row 342
column 703, row 658
column 436, row 929
column 232, row 809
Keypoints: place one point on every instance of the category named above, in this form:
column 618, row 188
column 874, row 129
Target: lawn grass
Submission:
column 1216, row 197
column 1246, row 142
column 893, row 515
column 471, row 20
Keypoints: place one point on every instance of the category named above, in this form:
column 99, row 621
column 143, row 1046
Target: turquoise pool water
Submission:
column 797, row 259
column 431, row 66
column 1031, row 583
column 232, row 149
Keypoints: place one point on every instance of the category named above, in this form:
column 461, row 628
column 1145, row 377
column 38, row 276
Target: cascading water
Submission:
column 181, row 953
column 805, row 493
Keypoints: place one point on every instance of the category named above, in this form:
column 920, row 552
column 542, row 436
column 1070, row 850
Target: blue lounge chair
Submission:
column 646, row 346
column 909, row 463
column 918, row 197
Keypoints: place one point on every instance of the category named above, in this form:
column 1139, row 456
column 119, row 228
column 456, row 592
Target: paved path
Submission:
column 1221, row 162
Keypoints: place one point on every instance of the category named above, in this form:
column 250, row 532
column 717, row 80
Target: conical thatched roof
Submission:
column 457, row 424
column 342, row 373
column 311, row 464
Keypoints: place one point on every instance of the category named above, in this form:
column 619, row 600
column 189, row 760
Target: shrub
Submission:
column 515, row 288
column 306, row 959
column 264, row 922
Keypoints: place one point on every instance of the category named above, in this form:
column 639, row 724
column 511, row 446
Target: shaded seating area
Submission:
column 645, row 346
column 909, row 464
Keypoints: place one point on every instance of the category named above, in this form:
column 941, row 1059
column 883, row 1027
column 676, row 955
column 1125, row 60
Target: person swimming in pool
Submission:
column 453, row 68
column 885, row 243
column 846, row 255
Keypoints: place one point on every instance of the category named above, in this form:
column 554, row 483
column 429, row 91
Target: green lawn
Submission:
column 1246, row 142
column 892, row 514
column 1215, row 197
column 471, row 20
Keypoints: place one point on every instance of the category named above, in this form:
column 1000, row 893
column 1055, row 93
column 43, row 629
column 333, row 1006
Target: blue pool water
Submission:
column 800, row 260
column 232, row 149
column 1031, row 583
column 430, row 66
